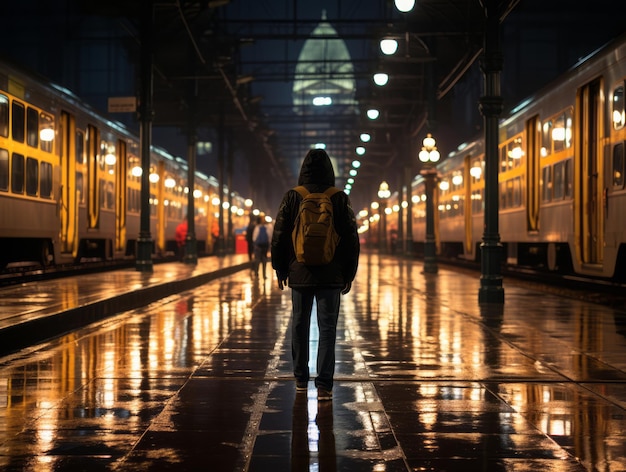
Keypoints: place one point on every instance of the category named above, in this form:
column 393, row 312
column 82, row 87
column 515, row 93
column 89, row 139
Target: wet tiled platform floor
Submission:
column 426, row 379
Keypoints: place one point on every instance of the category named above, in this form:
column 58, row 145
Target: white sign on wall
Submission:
column 122, row 104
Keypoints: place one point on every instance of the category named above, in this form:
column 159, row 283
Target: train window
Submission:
column 109, row 154
column 477, row 201
column 46, row 131
column 476, row 171
column 569, row 124
column 619, row 104
column 80, row 147
column 45, row 180
column 80, row 188
column 503, row 159
column 101, row 195
column 559, row 181
column 4, row 170
column 153, row 204
column 546, row 141
column 17, row 173
column 511, row 193
column 107, row 195
column 618, row 166
column 511, row 154
column 134, row 168
column 32, row 176
column 133, row 200
column 109, row 190
column 17, row 130
column 457, row 206
column 457, row 181
column 546, row 184
column 129, row 199
column 567, row 179
column 556, row 133
column 102, row 154
column 515, row 153
column 4, row 116
column 517, row 192
column 32, row 127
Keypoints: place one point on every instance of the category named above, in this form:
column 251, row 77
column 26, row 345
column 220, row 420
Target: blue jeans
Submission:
column 327, row 314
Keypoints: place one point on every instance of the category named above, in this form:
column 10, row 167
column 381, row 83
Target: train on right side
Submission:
column 562, row 165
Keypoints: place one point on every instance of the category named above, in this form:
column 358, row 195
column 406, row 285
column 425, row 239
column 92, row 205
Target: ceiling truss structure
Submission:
column 209, row 63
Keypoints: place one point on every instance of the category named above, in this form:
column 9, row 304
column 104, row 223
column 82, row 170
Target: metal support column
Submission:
column 191, row 244
column 491, row 290
column 397, row 244
column 230, row 160
column 143, row 259
column 408, row 179
column 430, row 247
column 381, row 228
column 220, row 177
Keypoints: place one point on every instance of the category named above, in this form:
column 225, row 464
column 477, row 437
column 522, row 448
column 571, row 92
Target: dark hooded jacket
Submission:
column 316, row 175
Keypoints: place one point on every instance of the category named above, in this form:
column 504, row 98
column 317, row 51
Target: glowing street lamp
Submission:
column 383, row 194
column 429, row 156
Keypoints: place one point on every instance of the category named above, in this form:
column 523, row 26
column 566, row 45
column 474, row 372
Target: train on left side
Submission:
column 70, row 182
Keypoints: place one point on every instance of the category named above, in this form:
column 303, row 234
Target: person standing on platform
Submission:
column 262, row 235
column 324, row 283
column 181, row 238
column 249, row 239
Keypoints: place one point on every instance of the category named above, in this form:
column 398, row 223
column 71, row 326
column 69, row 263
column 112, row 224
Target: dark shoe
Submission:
column 324, row 395
column 302, row 386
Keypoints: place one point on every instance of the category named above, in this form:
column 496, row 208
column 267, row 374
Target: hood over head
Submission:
column 317, row 169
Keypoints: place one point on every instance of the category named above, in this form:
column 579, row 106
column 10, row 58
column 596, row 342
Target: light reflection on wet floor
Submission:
column 425, row 380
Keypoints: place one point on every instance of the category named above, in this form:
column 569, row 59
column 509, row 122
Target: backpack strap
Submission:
column 301, row 189
column 330, row 191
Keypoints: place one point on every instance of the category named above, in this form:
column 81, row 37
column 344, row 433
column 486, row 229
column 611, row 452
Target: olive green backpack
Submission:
column 314, row 237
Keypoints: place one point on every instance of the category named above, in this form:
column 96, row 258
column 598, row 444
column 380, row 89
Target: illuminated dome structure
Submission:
column 324, row 74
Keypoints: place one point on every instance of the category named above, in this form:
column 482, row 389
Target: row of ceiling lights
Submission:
column 388, row 46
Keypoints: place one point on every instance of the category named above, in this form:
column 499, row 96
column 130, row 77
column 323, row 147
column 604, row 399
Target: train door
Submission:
column 120, row 195
column 532, row 173
column 467, row 204
column 160, row 195
column 588, row 185
column 68, row 205
column 93, row 185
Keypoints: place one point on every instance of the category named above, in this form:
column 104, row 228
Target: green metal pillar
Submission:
column 221, row 250
column 143, row 259
column 397, row 243
column 230, row 160
column 191, row 245
column 491, row 290
column 408, row 244
column 382, row 247
column 430, row 247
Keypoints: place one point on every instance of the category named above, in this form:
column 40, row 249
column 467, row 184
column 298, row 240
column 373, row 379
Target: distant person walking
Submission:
column 262, row 235
column 324, row 283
